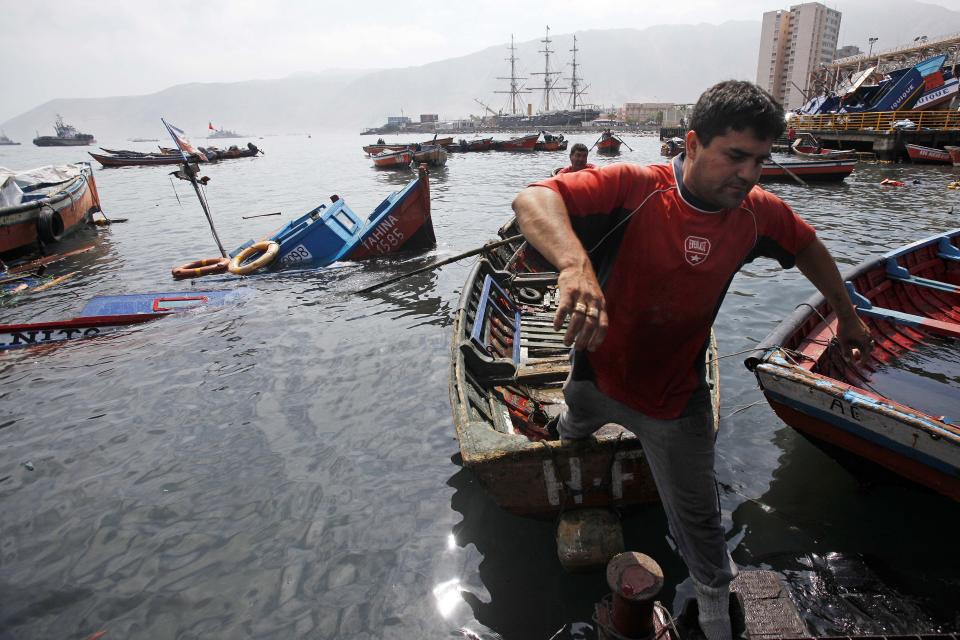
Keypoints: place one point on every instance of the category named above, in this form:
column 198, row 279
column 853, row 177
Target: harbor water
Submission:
column 288, row 468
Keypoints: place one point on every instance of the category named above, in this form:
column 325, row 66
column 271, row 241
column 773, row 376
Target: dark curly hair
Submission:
column 737, row 105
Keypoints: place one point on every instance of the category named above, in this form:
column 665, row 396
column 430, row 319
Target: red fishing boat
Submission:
column 523, row 143
column 481, row 144
column 43, row 205
column 551, row 142
column 921, row 154
column 899, row 408
column 814, row 170
column 393, row 159
column 380, row 147
column 609, row 143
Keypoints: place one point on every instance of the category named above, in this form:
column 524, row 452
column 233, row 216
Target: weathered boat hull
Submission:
column 905, row 297
column 394, row 160
column 954, row 155
column 22, row 226
column 54, row 141
column 815, row 170
column 609, row 145
column 921, row 154
column 497, row 389
column 434, row 156
column 552, row 145
column 464, row 146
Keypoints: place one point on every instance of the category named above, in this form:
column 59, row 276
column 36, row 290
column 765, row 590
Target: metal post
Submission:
column 187, row 169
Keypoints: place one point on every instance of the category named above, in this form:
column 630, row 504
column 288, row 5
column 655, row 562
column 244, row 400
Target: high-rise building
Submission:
column 793, row 44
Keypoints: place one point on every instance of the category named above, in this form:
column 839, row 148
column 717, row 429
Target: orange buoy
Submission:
column 200, row 268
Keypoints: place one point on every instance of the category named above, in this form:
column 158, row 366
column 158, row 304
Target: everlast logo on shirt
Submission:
column 696, row 249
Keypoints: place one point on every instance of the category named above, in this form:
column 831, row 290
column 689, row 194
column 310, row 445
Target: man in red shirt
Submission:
column 645, row 255
column 578, row 159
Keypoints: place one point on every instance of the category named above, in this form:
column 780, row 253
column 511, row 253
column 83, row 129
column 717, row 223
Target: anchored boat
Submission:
column 812, row 170
column 901, row 408
column 44, row 205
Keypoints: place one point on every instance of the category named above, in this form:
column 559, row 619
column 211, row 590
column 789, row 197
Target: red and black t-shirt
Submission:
column 664, row 272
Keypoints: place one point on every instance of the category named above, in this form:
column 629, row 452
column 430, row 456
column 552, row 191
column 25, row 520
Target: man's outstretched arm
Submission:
column 816, row 263
column 544, row 221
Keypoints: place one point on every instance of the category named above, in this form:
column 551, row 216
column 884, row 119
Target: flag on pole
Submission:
column 185, row 147
column 211, row 127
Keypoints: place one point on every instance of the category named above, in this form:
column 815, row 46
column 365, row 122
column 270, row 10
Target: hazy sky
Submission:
column 63, row 49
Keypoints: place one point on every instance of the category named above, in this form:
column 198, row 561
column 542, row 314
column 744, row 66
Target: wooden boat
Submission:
column 435, row 156
column 551, row 142
column 954, row 155
column 672, row 147
column 507, row 368
column 137, row 159
column 107, row 314
column 609, row 143
column 820, row 154
column 920, row 154
column 67, row 136
column 327, row 234
column 813, row 170
column 374, row 149
column 44, row 205
column 393, row 159
column 522, row 143
column 463, row 146
column 900, row 409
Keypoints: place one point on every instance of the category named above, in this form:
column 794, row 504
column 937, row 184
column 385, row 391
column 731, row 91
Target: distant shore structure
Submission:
column 5, row 141
column 793, row 44
column 219, row 134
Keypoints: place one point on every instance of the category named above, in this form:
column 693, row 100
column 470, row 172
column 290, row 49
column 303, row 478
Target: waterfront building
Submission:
column 665, row 114
column 793, row 45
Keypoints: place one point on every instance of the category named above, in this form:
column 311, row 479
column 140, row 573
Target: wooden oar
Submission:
column 595, row 143
column 790, row 173
column 472, row 252
column 623, row 142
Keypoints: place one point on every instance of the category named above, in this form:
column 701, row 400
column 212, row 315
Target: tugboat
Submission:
column 4, row 140
column 67, row 136
column 223, row 133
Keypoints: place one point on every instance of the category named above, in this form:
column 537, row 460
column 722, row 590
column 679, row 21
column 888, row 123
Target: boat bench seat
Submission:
column 947, row 251
column 866, row 308
column 901, row 274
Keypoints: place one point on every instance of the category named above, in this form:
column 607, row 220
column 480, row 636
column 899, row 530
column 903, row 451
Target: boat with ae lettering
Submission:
column 899, row 408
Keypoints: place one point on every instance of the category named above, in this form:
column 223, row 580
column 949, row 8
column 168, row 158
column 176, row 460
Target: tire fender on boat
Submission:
column 49, row 224
column 268, row 250
column 200, row 268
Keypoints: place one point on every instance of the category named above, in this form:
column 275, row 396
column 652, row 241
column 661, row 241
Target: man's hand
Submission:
column 582, row 300
column 856, row 342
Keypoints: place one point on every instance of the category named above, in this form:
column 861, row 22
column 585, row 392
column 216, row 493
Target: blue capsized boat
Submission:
column 906, row 89
column 162, row 302
column 333, row 232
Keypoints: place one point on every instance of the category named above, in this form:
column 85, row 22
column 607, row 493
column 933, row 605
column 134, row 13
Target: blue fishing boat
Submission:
column 333, row 232
column 901, row 93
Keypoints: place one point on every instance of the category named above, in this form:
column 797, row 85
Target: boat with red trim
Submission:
column 480, row 144
column 43, row 205
column 954, row 155
column 900, row 408
column 393, row 159
column 930, row 155
column 521, row 143
column 108, row 314
column 812, row 170
column 330, row 233
column 609, row 143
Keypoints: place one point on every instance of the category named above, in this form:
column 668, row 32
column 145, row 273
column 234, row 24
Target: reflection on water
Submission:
column 283, row 469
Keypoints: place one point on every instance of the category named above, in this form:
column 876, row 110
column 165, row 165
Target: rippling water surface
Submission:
column 288, row 467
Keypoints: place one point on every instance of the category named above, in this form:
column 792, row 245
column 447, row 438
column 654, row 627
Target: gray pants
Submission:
column 680, row 454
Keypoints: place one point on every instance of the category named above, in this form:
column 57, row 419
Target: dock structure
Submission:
column 884, row 133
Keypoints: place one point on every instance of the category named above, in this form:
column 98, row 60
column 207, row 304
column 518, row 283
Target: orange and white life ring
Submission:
column 200, row 268
column 268, row 250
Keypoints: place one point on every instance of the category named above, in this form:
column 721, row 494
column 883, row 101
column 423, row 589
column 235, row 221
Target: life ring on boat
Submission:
column 49, row 224
column 268, row 250
column 200, row 268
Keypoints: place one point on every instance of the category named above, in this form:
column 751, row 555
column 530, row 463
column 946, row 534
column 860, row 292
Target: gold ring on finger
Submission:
column 580, row 308
column 593, row 312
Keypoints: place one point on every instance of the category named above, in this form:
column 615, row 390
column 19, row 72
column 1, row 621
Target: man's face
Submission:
column 578, row 160
column 725, row 171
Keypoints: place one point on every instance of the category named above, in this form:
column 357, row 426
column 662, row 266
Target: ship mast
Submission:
column 514, row 79
column 548, row 86
column 575, row 90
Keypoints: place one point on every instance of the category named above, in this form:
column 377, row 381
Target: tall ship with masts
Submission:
column 548, row 115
